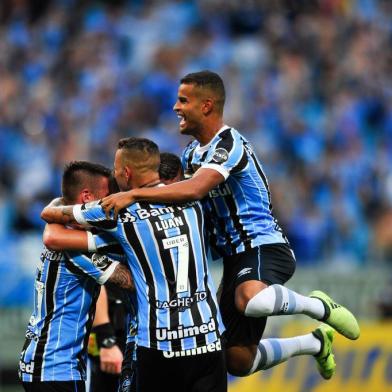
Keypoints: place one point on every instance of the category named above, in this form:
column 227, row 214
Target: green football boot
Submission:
column 337, row 316
column 325, row 359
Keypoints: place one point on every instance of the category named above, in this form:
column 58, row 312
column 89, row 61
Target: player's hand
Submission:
column 116, row 202
column 111, row 359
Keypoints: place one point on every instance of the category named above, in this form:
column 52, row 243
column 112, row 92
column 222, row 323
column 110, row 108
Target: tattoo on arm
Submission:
column 122, row 277
column 67, row 211
column 67, row 215
column 63, row 214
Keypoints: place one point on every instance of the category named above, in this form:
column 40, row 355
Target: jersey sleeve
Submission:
column 106, row 243
column 98, row 266
column 92, row 215
column 228, row 156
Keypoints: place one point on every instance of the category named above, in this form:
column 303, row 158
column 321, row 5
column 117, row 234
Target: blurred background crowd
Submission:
column 308, row 82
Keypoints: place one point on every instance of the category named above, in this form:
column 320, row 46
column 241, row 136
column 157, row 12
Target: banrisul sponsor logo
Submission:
column 221, row 190
column 147, row 213
column 51, row 255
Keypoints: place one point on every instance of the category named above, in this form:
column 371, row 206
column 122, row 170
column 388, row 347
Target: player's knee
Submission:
column 236, row 370
column 241, row 300
column 239, row 361
column 253, row 304
column 260, row 305
column 250, row 292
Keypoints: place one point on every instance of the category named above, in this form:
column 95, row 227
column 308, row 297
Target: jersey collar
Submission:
column 207, row 146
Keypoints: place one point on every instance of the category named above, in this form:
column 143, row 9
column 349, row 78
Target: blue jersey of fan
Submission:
column 66, row 289
column 165, row 248
column 239, row 209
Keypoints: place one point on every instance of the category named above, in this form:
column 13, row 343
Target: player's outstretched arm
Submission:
column 62, row 214
column 57, row 237
column 195, row 188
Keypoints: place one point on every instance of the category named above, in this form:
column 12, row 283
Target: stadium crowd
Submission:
column 308, row 82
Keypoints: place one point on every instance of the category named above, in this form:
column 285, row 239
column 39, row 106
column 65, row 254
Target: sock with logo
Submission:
column 279, row 300
column 271, row 352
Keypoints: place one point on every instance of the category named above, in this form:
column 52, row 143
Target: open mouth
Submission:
column 182, row 120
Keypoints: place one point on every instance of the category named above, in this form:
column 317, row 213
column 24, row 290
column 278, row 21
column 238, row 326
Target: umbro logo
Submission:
column 244, row 271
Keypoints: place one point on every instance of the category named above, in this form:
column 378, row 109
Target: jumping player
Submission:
column 223, row 168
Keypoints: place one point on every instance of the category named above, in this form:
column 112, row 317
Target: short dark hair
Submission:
column 143, row 153
column 170, row 166
column 77, row 175
column 209, row 80
column 139, row 144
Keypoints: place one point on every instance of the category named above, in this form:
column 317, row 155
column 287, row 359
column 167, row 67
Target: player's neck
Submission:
column 208, row 132
column 147, row 181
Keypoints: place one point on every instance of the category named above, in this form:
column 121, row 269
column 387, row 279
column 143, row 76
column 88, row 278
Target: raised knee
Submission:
column 247, row 292
column 237, row 371
column 258, row 305
column 242, row 298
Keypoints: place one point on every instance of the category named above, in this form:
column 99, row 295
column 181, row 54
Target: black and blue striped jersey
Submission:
column 67, row 285
column 165, row 248
column 240, row 208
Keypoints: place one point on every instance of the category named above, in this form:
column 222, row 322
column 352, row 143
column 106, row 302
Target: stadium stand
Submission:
column 308, row 81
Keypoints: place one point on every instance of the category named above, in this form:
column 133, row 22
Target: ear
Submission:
column 128, row 173
column 87, row 196
column 207, row 106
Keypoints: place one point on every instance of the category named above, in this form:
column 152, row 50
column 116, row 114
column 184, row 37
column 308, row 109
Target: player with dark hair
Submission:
column 170, row 168
column 223, row 168
column 67, row 284
column 179, row 325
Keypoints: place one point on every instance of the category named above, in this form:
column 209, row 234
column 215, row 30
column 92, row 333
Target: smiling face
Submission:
column 190, row 107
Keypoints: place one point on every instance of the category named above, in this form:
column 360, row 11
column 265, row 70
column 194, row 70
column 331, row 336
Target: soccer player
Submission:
column 223, row 168
column 170, row 171
column 67, row 284
column 179, row 325
column 106, row 337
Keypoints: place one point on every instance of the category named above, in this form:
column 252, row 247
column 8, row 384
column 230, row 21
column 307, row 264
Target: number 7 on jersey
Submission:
column 181, row 243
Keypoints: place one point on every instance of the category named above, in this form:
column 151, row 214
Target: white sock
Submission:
column 277, row 299
column 271, row 352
